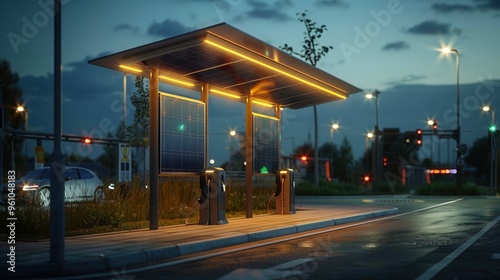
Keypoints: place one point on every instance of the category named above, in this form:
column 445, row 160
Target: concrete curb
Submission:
column 102, row 263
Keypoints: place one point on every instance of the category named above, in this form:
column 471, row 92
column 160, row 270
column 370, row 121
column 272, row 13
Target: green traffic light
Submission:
column 492, row 128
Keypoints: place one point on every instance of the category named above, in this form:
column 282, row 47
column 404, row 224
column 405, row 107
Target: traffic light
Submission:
column 384, row 161
column 303, row 158
column 492, row 133
column 87, row 140
column 435, row 126
column 418, row 133
column 366, row 179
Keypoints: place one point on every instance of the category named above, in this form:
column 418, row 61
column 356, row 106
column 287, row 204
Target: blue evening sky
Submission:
column 387, row 45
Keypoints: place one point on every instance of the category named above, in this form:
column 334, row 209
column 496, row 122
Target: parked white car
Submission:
column 80, row 184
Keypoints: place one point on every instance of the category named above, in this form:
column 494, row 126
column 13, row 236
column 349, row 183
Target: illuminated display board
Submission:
column 265, row 144
column 182, row 134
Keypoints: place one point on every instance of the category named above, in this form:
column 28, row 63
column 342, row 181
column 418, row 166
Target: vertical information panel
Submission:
column 182, row 134
column 266, row 144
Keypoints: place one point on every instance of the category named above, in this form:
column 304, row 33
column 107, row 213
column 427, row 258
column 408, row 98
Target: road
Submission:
column 438, row 238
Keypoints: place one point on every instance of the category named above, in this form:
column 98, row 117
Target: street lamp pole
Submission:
column 369, row 136
column 334, row 127
column 493, row 147
column 376, row 153
column 23, row 110
column 459, row 162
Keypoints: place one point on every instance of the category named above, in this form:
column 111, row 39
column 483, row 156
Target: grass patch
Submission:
column 127, row 207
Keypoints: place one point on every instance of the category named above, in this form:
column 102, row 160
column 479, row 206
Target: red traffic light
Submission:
column 385, row 161
column 418, row 139
column 366, row 178
column 87, row 141
column 303, row 158
column 435, row 125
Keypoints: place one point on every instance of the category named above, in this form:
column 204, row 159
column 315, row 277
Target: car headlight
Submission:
column 30, row 187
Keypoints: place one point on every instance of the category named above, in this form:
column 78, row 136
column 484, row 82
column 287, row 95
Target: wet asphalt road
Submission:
column 403, row 247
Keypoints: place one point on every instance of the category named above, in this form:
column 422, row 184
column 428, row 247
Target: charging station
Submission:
column 213, row 197
column 285, row 192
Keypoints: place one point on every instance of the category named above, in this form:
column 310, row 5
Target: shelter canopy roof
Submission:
column 234, row 64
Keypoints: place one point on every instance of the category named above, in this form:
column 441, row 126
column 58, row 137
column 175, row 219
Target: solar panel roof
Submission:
column 232, row 61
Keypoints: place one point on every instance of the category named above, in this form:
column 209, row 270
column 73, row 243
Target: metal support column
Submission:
column 153, row 147
column 204, row 99
column 249, row 156
column 278, row 116
column 57, row 220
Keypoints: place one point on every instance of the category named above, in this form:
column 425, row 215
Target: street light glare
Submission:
column 20, row 109
column 486, row 108
column 446, row 50
column 335, row 126
column 232, row 132
column 430, row 122
column 369, row 95
column 369, row 135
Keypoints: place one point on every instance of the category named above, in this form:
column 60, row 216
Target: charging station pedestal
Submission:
column 285, row 200
column 213, row 197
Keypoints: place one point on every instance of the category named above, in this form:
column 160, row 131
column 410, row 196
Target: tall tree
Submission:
column 138, row 132
column 479, row 156
column 11, row 97
column 312, row 52
column 346, row 160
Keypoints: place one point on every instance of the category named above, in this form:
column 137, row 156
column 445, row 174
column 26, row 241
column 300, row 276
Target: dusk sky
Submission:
column 388, row 45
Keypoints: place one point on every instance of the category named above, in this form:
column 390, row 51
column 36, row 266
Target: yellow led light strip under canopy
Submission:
column 130, row 68
column 176, row 81
column 225, row 93
column 225, row 46
column 262, row 103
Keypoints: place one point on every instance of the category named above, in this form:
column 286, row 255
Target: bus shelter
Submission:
column 224, row 61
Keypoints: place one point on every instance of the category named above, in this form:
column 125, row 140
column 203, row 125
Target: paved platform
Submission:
column 105, row 252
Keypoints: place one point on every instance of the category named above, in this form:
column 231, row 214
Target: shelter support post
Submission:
column 249, row 157
column 278, row 116
column 204, row 99
column 153, row 147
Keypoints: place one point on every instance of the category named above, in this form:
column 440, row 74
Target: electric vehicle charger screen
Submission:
column 265, row 145
column 182, row 126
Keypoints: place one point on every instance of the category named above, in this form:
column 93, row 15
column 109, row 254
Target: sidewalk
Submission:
column 105, row 252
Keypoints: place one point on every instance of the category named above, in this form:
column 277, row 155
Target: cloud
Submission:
column 488, row 5
column 126, row 27
column 80, row 81
column 263, row 10
column 432, row 27
column 167, row 28
column 449, row 8
column 407, row 80
column 396, row 46
column 330, row 3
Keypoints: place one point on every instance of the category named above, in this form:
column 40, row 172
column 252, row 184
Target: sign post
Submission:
column 124, row 166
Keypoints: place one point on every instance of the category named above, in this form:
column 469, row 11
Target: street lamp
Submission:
column 493, row 140
column 23, row 110
column 375, row 166
column 488, row 109
column 459, row 162
column 334, row 127
column 433, row 124
column 369, row 137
